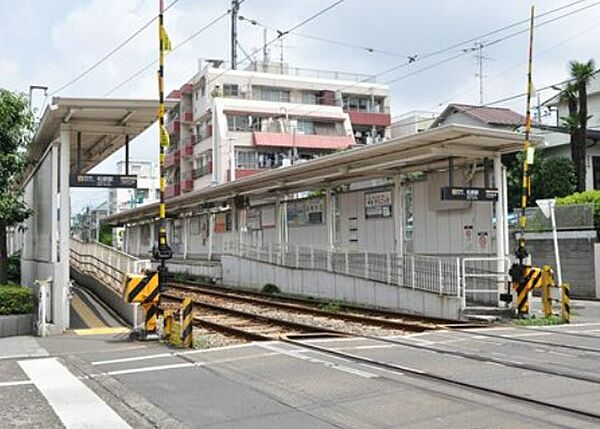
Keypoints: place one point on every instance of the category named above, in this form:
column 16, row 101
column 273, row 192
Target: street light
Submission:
column 31, row 88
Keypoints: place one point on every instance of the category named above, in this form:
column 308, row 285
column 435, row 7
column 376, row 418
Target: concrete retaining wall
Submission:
column 577, row 258
column 249, row 274
column 113, row 299
column 211, row 269
column 18, row 324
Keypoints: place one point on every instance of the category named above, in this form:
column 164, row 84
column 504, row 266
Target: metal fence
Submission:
column 441, row 275
column 104, row 263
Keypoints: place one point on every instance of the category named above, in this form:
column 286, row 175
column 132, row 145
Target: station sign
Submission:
column 469, row 194
column 378, row 204
column 103, row 181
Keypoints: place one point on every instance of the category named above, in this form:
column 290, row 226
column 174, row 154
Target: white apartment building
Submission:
column 147, row 192
column 412, row 122
column 231, row 124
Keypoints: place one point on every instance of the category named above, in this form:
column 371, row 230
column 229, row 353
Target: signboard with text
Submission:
column 103, row 181
column 469, row 194
column 378, row 204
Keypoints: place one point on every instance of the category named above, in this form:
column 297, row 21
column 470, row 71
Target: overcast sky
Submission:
column 50, row 42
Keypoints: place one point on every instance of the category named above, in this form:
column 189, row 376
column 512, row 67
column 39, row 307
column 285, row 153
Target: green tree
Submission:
column 16, row 126
column 575, row 95
column 551, row 177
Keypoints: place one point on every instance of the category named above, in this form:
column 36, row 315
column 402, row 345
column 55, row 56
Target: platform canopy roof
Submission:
column 426, row 151
column 102, row 123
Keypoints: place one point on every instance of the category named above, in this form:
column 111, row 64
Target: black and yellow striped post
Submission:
column 186, row 326
column 519, row 271
column 566, row 302
column 161, row 251
column 144, row 290
column 532, row 278
column 547, row 285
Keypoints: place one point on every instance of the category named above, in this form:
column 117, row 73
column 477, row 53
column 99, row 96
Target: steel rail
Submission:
column 413, row 325
column 273, row 321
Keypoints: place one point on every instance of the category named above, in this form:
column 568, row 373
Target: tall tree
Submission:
column 16, row 126
column 581, row 74
column 571, row 122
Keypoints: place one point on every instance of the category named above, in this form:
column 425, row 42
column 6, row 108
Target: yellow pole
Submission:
column 518, row 269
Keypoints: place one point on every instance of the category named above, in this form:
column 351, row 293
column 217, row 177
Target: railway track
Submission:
column 378, row 319
column 247, row 325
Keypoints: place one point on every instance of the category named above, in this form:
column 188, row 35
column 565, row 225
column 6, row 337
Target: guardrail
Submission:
column 104, row 263
column 441, row 275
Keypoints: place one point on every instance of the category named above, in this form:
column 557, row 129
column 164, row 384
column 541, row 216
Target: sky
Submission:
column 51, row 42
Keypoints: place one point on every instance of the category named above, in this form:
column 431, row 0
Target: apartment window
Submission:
column 274, row 94
column 202, row 88
column 306, row 127
column 238, row 123
column 231, row 90
column 309, row 97
column 245, row 159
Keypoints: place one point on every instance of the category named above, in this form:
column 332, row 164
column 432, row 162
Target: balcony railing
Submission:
column 187, row 116
column 172, row 190
column 172, row 158
column 188, row 149
column 174, row 127
column 187, row 185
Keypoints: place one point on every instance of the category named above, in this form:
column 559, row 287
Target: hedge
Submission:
column 587, row 197
column 15, row 300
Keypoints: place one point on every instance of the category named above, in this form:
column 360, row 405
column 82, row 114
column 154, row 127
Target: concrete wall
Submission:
column 18, row 324
column 130, row 313
column 578, row 257
column 247, row 274
column 211, row 269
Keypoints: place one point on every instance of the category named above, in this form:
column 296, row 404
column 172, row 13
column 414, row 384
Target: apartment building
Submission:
column 230, row 124
column 147, row 192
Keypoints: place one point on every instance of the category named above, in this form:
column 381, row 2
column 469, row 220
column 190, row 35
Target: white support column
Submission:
column 52, row 308
column 234, row 225
column 211, row 227
column 62, row 287
column 330, row 219
column 139, row 240
column 186, row 232
column 398, row 213
column 505, row 203
column 501, row 217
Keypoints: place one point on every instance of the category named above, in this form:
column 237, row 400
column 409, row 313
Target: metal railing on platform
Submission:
column 440, row 275
column 104, row 263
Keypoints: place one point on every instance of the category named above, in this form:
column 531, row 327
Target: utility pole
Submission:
column 478, row 49
column 235, row 7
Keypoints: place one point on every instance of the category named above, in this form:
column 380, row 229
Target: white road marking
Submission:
column 75, row 404
column 153, row 368
column 15, row 383
column 529, row 334
column 327, row 364
column 162, row 355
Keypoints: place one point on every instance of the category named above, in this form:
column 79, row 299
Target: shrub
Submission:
column 270, row 289
column 15, row 300
column 588, row 197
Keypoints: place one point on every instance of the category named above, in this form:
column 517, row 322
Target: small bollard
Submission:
column 186, row 327
column 566, row 302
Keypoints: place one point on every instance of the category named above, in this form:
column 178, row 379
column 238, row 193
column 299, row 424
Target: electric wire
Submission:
column 111, row 52
column 154, row 62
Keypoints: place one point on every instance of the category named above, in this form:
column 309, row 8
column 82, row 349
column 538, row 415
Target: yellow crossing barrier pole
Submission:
column 187, row 340
column 547, row 285
column 520, row 268
column 566, row 302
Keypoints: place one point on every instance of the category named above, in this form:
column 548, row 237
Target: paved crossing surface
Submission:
column 274, row 384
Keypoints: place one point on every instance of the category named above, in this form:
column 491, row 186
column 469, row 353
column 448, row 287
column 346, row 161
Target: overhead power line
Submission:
column 111, row 52
column 151, row 64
